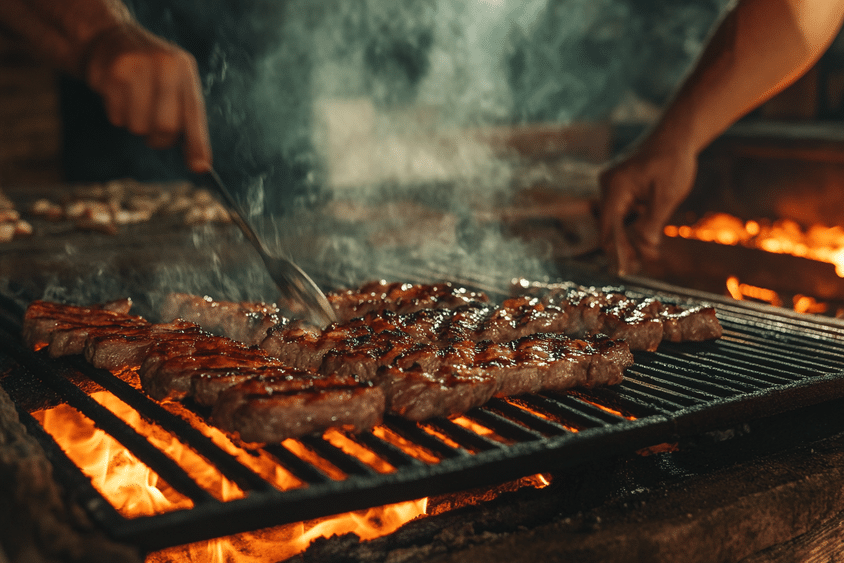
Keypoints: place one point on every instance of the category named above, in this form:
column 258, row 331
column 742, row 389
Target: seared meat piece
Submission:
column 400, row 298
column 64, row 329
column 418, row 394
column 207, row 384
column 689, row 324
column 443, row 380
column 362, row 356
column 129, row 347
column 169, row 370
column 302, row 345
column 518, row 317
column 642, row 323
column 274, row 409
column 419, row 351
column 245, row 322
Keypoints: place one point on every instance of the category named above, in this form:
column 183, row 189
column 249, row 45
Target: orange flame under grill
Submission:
column 135, row 490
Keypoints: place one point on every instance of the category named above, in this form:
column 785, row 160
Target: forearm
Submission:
column 61, row 31
column 758, row 48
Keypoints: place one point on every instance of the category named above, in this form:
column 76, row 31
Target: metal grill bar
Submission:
column 77, row 482
column 412, row 432
column 244, row 477
column 719, row 367
column 300, row 469
column 510, row 411
column 343, row 461
column 502, row 426
column 386, row 451
column 154, row 458
column 764, row 364
column 466, row 438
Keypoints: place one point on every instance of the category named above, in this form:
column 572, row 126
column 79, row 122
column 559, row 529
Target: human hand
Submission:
column 152, row 88
column 639, row 193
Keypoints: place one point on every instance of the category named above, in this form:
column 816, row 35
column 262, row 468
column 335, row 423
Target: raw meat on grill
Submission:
column 276, row 408
column 244, row 321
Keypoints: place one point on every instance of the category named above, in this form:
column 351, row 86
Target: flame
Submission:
column 405, row 445
column 739, row 291
column 784, row 236
column 806, row 304
column 480, row 429
column 135, row 490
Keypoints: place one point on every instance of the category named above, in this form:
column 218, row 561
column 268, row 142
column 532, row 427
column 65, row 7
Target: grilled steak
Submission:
column 170, row 371
column 399, row 297
column 437, row 380
column 129, row 348
column 643, row 323
column 417, row 393
column 415, row 350
column 65, row 328
column 274, row 409
column 245, row 322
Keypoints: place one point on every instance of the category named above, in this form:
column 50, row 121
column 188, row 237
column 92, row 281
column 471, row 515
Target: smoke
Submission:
column 388, row 94
column 350, row 128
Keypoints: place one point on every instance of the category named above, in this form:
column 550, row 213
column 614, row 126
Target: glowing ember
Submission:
column 818, row 242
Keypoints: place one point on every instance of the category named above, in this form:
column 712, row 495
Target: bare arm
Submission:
column 148, row 85
column 758, row 48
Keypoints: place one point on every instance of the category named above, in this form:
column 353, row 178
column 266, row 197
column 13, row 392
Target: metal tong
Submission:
column 297, row 288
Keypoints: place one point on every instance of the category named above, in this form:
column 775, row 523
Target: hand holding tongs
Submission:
column 293, row 283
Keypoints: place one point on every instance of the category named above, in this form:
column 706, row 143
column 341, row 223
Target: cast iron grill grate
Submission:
column 767, row 362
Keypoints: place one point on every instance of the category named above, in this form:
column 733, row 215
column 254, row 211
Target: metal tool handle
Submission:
column 237, row 214
column 293, row 283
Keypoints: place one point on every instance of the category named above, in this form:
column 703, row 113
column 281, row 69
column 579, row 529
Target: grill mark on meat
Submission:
column 116, row 349
column 419, row 394
column 642, row 323
column 168, row 371
column 243, row 321
column 268, row 410
column 446, row 380
column 402, row 298
column 362, row 356
column 65, row 328
column 422, row 351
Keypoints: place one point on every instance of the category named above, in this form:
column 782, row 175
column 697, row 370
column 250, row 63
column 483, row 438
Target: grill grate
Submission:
column 767, row 362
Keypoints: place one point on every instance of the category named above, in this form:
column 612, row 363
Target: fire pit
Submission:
column 677, row 393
